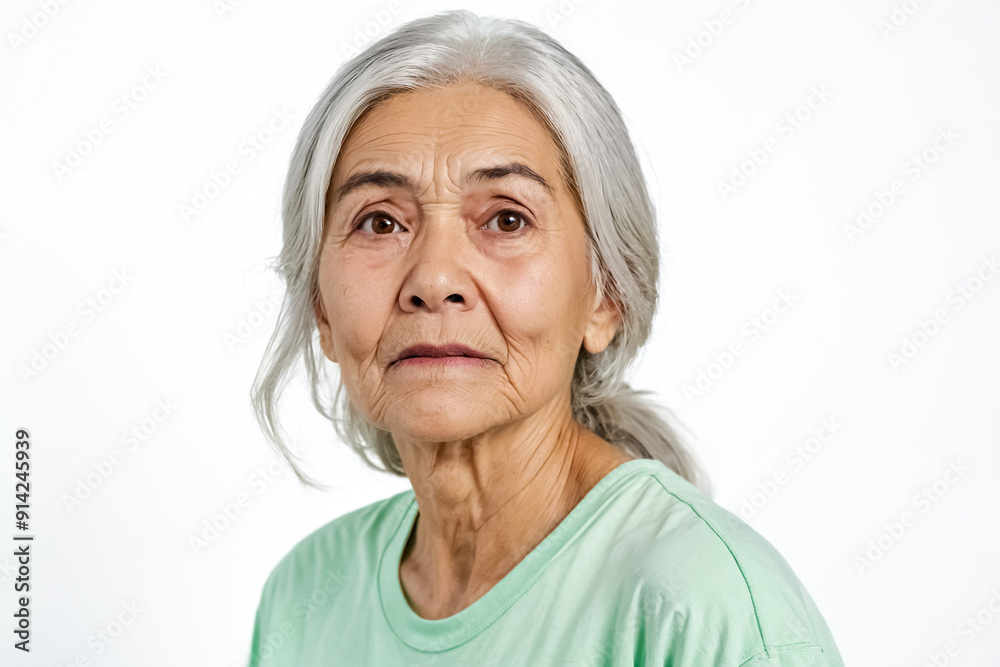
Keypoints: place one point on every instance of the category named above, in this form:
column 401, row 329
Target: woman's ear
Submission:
column 603, row 325
column 325, row 333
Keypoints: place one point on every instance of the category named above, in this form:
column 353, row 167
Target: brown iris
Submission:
column 508, row 221
column 382, row 224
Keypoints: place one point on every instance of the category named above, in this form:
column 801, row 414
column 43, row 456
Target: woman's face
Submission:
column 448, row 224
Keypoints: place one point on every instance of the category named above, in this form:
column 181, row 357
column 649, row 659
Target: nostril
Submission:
column 430, row 301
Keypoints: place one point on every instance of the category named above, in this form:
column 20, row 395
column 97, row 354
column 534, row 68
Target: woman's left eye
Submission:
column 507, row 221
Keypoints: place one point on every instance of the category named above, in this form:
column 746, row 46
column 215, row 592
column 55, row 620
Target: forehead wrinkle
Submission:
column 448, row 145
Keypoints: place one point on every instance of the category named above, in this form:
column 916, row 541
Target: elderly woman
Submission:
column 467, row 226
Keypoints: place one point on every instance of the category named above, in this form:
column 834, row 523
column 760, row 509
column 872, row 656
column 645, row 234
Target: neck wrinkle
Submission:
column 455, row 556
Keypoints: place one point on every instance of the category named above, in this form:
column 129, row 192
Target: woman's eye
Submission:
column 379, row 223
column 508, row 221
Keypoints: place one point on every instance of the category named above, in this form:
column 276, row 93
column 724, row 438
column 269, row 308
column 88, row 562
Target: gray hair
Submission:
column 599, row 164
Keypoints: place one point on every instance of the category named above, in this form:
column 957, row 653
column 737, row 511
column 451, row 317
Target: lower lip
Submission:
column 441, row 361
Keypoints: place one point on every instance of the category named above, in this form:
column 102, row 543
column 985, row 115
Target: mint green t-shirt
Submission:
column 645, row 570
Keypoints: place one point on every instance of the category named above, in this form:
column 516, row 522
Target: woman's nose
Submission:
column 438, row 276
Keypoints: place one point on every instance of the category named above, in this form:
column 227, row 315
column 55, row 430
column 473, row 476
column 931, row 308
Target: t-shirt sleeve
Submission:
column 272, row 643
column 260, row 625
column 807, row 655
column 738, row 601
column 254, row 660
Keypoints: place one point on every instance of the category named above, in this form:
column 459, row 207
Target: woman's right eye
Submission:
column 379, row 223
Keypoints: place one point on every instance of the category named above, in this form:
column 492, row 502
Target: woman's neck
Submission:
column 485, row 505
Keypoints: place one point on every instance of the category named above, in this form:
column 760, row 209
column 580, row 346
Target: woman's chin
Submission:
column 442, row 419
column 437, row 430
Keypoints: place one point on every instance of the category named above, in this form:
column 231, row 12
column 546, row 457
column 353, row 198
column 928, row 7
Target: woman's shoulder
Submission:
column 683, row 552
column 354, row 537
column 669, row 515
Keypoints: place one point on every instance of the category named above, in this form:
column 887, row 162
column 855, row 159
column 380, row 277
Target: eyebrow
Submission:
column 512, row 168
column 391, row 179
column 379, row 177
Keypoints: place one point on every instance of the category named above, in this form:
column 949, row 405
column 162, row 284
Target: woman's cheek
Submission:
column 529, row 298
column 357, row 312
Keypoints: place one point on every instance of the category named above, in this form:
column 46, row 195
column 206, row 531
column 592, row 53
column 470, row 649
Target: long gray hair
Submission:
column 600, row 167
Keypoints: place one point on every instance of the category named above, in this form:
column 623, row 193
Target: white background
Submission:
column 190, row 283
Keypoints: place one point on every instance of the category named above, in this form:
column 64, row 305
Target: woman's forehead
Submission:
column 469, row 124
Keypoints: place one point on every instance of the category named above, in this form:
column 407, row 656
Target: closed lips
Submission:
column 453, row 350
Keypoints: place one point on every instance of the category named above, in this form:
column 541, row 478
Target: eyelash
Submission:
column 374, row 214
